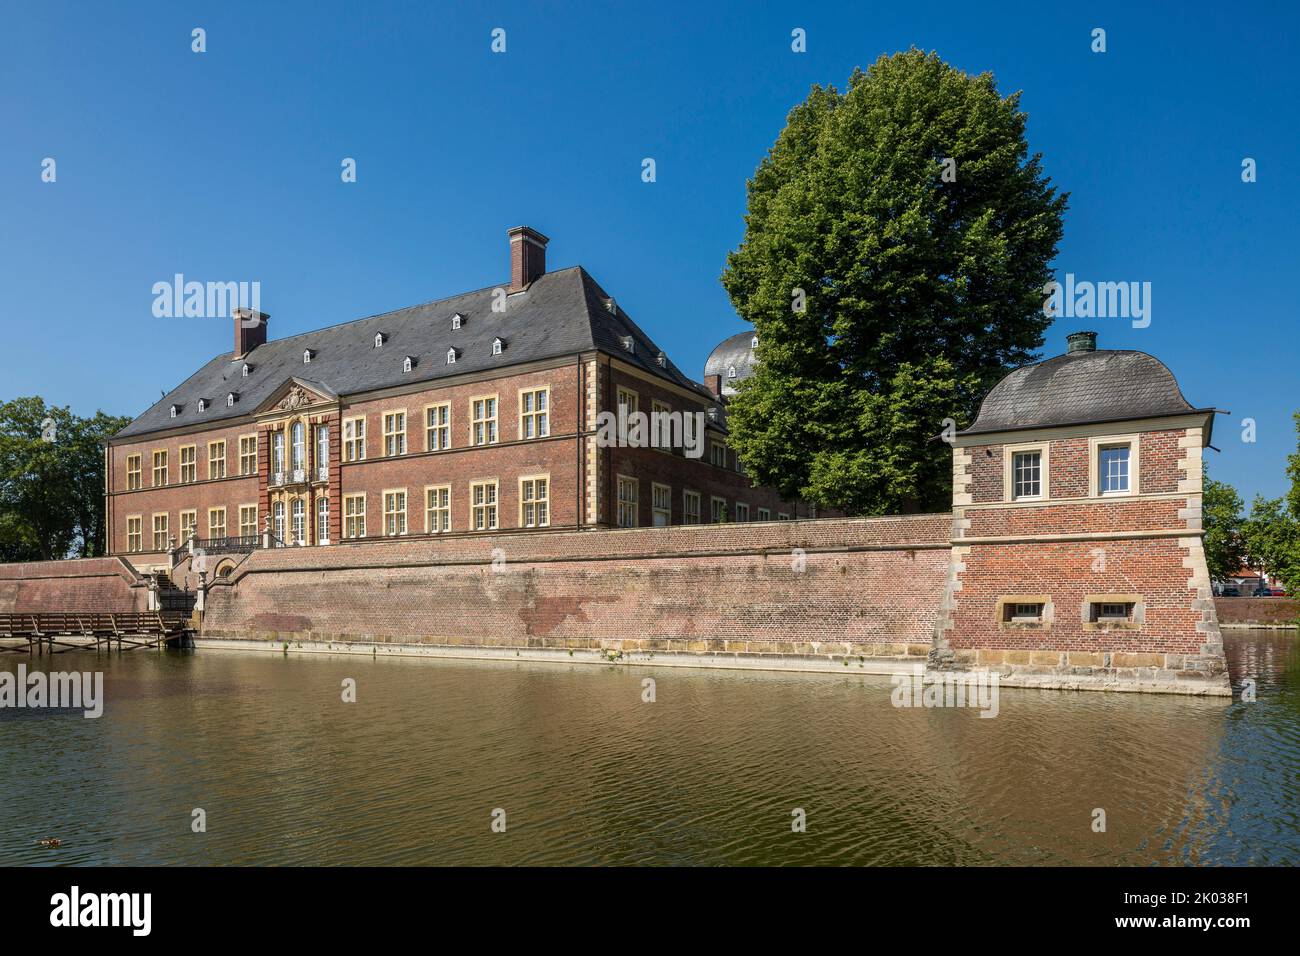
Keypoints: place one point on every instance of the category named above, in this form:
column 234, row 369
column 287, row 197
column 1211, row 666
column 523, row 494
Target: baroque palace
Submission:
column 471, row 414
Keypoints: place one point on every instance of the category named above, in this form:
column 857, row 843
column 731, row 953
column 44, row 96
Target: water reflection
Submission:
column 588, row 773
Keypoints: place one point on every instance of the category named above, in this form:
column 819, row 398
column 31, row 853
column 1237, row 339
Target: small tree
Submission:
column 1221, row 517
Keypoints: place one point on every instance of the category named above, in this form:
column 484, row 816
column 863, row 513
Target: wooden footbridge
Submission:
column 67, row 631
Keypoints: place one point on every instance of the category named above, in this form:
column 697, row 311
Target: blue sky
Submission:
column 225, row 166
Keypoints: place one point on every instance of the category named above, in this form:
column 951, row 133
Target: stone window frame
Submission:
column 429, row 526
column 165, row 530
column 629, row 506
column 322, row 527
column 540, row 417
column 182, row 524
column 245, row 456
column 1095, row 445
column 715, row 513
column 764, row 514
column 193, row 463
column 658, row 441
column 220, row 460
column 1134, row 622
column 357, row 517
column 545, row 501
column 624, row 392
column 403, row 512
column 212, row 512
column 1009, row 453
column 494, row 504
column 718, row 443
column 1044, row 623
column 687, row 513
column 354, row 448
column 399, row 436
column 138, row 534
column 740, row 505
column 657, row 487
column 491, row 423
column 243, row 510
column 134, row 476
column 431, row 430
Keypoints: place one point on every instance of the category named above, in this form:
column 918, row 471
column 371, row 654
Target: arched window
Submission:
column 322, row 521
column 322, row 451
column 299, row 451
column 299, row 514
column 278, row 511
column 731, row 371
column 277, row 452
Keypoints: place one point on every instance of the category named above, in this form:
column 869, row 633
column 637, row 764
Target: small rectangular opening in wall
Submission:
column 1024, row 613
column 1023, row 610
column 1112, row 612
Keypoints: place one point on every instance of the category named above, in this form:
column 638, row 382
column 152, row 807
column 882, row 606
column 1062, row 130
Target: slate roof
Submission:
column 561, row 313
column 1105, row 385
column 736, row 352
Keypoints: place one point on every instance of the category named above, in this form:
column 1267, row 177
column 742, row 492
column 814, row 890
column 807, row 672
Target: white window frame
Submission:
column 534, row 508
column 485, row 515
column 629, row 508
column 354, row 447
column 395, row 524
column 1009, row 453
column 539, row 417
column 665, row 492
column 435, row 509
column 1095, row 447
column 437, row 436
column 354, row 515
column 490, row 429
column 692, row 505
column 395, row 437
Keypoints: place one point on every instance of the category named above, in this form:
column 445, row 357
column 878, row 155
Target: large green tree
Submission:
column 1221, row 517
column 51, row 481
column 897, row 241
column 1272, row 532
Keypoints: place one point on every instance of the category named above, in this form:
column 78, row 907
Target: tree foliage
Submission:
column 1272, row 532
column 1221, row 517
column 51, row 481
column 919, row 289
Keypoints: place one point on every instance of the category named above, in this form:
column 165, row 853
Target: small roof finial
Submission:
column 1080, row 342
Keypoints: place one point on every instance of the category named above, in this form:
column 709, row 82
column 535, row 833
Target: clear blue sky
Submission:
column 225, row 166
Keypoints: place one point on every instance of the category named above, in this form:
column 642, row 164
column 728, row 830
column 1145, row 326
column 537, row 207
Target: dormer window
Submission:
column 203, row 404
column 497, row 346
column 611, row 306
column 408, row 363
column 753, row 343
column 456, row 320
column 451, row 356
column 379, row 339
column 230, row 400
column 629, row 344
column 713, row 414
column 175, row 410
column 246, row 369
column 307, row 356
column 661, row 360
column 731, row 371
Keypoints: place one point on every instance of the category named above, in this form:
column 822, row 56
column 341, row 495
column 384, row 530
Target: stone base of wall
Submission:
column 87, row 584
column 1096, row 670
column 1262, row 612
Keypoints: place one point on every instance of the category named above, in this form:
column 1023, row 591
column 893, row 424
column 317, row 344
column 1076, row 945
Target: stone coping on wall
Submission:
column 70, row 568
column 907, row 533
column 1281, row 613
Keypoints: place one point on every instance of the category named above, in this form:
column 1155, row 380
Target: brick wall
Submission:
column 868, row 586
column 90, row 584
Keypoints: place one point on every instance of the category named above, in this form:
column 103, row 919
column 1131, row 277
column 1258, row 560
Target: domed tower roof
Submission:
column 1085, row 385
column 732, row 360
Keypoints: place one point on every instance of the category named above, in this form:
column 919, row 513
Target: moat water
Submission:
column 587, row 772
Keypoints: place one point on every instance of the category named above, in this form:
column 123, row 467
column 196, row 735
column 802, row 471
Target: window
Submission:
column 245, row 370
column 216, row 522
column 742, row 511
column 394, row 512
column 189, row 466
column 690, row 507
column 782, row 516
column 230, row 400
column 534, row 502
column 134, row 542
column 690, row 429
column 661, row 435
column 277, row 519
column 1024, row 611
column 160, row 532
column 1112, row 469
column 159, row 469
column 718, row 453
column 216, row 459
column 248, row 521
column 189, row 524
column 306, row 356
column 717, row 509
column 483, row 426
column 451, row 356
column 456, row 320
column 248, row 454
column 298, row 512
column 1027, row 474
column 483, row 506
column 408, row 363
column 277, row 452
column 437, row 427
column 627, row 501
column 354, row 516
column 1114, row 612
column 354, row 439
column 628, row 399
column 379, row 339
column 322, row 452
column 394, row 433
column 298, row 453
column 132, row 472
column 764, row 514
column 534, row 413
column 661, row 501
column 437, row 509
column 497, row 346
column 322, row 521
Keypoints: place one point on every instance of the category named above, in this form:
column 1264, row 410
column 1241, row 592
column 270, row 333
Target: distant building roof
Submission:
column 733, row 359
column 561, row 313
column 1082, row 387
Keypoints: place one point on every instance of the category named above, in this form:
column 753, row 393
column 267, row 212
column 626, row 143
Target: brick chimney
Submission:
column 527, row 256
column 714, row 384
column 250, row 330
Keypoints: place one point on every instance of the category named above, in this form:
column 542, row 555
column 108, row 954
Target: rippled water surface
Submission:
column 588, row 773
